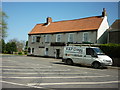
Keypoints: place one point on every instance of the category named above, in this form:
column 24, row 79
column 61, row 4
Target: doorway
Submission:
column 57, row 53
column 46, row 52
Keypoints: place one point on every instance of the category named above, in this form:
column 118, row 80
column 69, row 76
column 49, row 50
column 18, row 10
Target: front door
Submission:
column 57, row 53
column 46, row 52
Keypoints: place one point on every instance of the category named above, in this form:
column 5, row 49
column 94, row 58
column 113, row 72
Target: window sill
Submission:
column 32, row 42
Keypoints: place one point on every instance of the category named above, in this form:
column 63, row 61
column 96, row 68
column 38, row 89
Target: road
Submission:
column 47, row 73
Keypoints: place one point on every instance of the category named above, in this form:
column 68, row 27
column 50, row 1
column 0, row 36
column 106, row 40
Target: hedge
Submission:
column 112, row 50
column 19, row 53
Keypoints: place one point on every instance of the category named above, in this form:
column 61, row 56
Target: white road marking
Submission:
column 20, row 84
column 8, row 66
column 73, row 83
column 39, row 73
column 32, row 69
column 55, row 77
column 21, row 67
column 9, row 61
column 24, row 67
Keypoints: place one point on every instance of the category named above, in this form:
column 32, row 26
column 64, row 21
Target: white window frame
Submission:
column 58, row 38
column 33, row 38
column 47, row 38
column 71, row 37
column 85, row 37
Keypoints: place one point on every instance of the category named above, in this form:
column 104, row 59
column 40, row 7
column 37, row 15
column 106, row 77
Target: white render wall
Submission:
column 103, row 27
column 40, row 47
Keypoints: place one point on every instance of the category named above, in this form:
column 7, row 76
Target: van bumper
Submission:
column 106, row 64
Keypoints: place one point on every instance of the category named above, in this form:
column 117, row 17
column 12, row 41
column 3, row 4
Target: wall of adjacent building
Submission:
column 114, row 32
column 113, row 37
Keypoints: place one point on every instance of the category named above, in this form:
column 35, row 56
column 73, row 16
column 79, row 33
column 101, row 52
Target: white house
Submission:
column 48, row 39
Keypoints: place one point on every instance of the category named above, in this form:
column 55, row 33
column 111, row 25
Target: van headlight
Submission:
column 104, row 60
column 107, row 61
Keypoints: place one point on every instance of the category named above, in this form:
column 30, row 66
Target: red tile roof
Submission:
column 89, row 23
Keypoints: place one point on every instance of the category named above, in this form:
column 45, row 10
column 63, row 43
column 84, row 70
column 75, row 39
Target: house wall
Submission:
column 42, row 47
column 101, row 35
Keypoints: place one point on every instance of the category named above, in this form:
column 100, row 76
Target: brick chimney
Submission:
column 104, row 12
column 49, row 20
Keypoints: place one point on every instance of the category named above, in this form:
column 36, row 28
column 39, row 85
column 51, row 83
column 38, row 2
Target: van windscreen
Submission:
column 98, row 51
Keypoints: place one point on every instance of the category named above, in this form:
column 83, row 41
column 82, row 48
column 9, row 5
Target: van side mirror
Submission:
column 94, row 55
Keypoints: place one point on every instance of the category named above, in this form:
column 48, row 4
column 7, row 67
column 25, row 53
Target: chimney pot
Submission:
column 104, row 13
column 49, row 20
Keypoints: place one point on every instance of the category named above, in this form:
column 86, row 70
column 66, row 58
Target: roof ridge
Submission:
column 76, row 19
column 69, row 20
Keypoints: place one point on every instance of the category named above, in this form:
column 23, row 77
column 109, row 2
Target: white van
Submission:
column 86, row 55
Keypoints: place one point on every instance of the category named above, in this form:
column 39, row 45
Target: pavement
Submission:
column 113, row 67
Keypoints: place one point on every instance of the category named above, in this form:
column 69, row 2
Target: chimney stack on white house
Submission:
column 49, row 20
column 104, row 13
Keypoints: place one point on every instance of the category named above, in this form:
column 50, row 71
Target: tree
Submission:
column 3, row 46
column 8, row 48
column 3, row 28
column 3, row 32
column 26, row 47
column 3, row 25
column 11, row 47
column 20, row 44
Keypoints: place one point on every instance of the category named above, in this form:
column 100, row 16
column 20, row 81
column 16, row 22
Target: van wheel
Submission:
column 69, row 62
column 96, row 65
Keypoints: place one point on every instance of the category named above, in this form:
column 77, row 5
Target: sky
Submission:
column 23, row 16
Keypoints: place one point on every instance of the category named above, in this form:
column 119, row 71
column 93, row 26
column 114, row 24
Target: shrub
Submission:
column 112, row 50
column 19, row 53
column 25, row 52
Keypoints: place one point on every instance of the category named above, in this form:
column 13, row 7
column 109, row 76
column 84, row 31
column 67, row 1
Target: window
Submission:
column 98, row 51
column 71, row 37
column 89, row 51
column 85, row 37
column 33, row 38
column 38, row 39
column 47, row 38
column 58, row 38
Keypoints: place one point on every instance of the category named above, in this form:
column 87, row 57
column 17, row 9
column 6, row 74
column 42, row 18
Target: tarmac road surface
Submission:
column 50, row 73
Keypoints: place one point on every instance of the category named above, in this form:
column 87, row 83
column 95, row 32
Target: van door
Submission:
column 78, row 58
column 88, row 57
